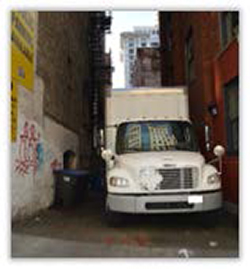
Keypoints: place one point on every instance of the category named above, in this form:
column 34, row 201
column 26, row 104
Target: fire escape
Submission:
column 100, row 24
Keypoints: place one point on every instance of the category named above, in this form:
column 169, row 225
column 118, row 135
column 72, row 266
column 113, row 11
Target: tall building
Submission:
column 141, row 37
column 200, row 50
column 147, row 68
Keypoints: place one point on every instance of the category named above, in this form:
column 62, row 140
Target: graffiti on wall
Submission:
column 55, row 164
column 52, row 158
column 30, row 154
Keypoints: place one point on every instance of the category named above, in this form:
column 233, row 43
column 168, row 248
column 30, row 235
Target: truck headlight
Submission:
column 213, row 179
column 118, row 182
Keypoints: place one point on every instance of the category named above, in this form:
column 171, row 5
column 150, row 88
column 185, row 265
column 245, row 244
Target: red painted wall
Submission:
column 214, row 67
column 226, row 68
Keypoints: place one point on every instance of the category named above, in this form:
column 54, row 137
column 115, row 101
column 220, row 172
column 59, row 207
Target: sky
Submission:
column 125, row 21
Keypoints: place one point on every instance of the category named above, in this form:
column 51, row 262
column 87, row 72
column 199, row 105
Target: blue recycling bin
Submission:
column 70, row 186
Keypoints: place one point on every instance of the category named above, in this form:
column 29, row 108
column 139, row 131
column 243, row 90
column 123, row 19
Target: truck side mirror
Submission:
column 219, row 151
column 109, row 157
column 207, row 137
column 101, row 137
column 107, row 154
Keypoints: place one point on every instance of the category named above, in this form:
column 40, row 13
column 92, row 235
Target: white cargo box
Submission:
column 146, row 103
column 125, row 105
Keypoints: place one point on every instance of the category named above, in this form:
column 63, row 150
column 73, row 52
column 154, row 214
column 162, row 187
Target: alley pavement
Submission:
column 82, row 232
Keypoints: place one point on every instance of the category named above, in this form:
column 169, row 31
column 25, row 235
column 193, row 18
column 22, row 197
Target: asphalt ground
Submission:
column 81, row 231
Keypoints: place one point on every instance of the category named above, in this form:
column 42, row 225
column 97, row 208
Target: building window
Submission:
column 131, row 51
column 229, row 26
column 154, row 44
column 143, row 44
column 131, row 43
column 189, row 55
column 232, row 115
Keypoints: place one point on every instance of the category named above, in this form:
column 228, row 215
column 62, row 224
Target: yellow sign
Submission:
column 22, row 47
column 14, row 110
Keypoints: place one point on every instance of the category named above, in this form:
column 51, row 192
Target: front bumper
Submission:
column 165, row 203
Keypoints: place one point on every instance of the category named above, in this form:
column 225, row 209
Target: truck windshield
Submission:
column 155, row 136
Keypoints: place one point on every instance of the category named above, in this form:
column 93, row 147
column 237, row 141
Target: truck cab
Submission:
column 152, row 156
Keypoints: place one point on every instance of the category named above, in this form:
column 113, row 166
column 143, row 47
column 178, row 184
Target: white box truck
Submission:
column 152, row 157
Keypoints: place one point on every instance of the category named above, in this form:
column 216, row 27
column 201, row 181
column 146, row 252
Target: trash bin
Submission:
column 70, row 186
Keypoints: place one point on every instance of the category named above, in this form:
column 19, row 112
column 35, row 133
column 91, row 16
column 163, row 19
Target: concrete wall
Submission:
column 38, row 150
column 55, row 115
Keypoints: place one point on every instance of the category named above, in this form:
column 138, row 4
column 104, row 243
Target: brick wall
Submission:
column 213, row 67
column 146, row 71
column 63, row 57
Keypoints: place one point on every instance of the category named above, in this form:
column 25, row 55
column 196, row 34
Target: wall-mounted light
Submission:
column 213, row 109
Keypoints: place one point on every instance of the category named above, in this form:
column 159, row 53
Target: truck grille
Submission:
column 178, row 178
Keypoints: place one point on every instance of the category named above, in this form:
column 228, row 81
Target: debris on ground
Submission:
column 213, row 244
column 183, row 253
column 37, row 219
